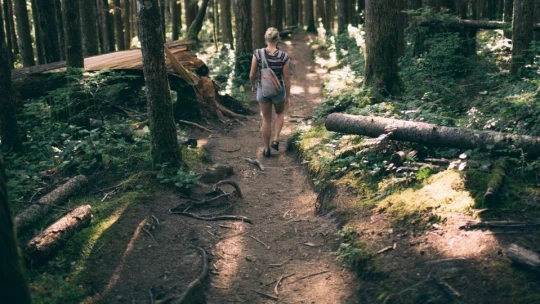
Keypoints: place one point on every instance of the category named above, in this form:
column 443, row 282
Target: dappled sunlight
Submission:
column 295, row 89
column 314, row 90
column 229, row 253
column 466, row 244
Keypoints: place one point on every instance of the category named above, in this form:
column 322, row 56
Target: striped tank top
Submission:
column 276, row 61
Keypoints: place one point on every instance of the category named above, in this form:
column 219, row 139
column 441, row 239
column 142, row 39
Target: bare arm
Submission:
column 287, row 79
column 253, row 73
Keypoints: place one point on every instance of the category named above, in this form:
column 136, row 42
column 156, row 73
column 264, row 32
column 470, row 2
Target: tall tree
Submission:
column 267, row 12
column 507, row 16
column 23, row 31
column 321, row 13
column 14, row 287
column 293, row 10
column 226, row 22
column 60, row 27
column 48, row 29
column 243, row 51
column 309, row 19
column 176, row 19
column 522, row 33
column 190, row 11
column 107, row 26
column 381, row 72
column 40, row 52
column 259, row 26
column 72, row 29
column 9, row 130
column 300, row 11
column 342, row 16
column 88, row 15
column 9, row 40
column 164, row 143
column 126, row 14
column 12, row 27
column 330, row 11
column 402, row 24
column 196, row 26
column 277, row 14
column 118, row 26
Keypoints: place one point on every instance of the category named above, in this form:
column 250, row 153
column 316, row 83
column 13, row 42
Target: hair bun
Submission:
column 271, row 35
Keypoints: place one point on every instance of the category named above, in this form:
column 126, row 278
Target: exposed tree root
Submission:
column 216, row 218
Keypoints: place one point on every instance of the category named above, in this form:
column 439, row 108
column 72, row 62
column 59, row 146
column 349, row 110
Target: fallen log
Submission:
column 473, row 24
column 523, row 256
column 55, row 197
column 48, row 241
column 432, row 134
column 495, row 182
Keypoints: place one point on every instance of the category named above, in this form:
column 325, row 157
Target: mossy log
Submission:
column 431, row 134
column 49, row 240
column 55, row 197
column 523, row 256
column 495, row 181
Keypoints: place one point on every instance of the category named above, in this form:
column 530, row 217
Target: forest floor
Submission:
column 287, row 241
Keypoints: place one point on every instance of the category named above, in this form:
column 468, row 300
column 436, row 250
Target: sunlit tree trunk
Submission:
column 164, row 143
column 226, row 22
column 321, row 14
column 243, row 43
column 48, row 30
column 259, row 26
column 118, row 26
column 522, row 33
column 40, row 52
column 196, row 26
column 89, row 27
column 14, row 287
column 191, row 9
column 381, row 72
column 331, row 11
column 72, row 29
column 23, row 31
column 9, row 130
column 176, row 19
column 309, row 19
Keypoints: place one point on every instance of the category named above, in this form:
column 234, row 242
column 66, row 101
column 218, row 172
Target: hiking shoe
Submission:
column 266, row 153
column 275, row 145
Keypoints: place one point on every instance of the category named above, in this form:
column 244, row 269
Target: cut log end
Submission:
column 524, row 257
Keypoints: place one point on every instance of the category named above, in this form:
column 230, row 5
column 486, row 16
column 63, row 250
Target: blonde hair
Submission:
column 271, row 35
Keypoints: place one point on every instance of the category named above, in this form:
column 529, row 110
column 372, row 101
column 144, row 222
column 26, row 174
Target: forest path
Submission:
column 298, row 245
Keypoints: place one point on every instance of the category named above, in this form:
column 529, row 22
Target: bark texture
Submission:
column 342, row 16
column 14, row 287
column 196, row 26
column 48, row 30
column 382, row 27
column 259, row 26
column 9, row 130
column 176, row 11
column 309, row 19
column 55, row 197
column 23, row 31
column 191, row 9
column 226, row 21
column 431, row 134
column 164, row 143
column 74, row 50
column 107, row 27
column 522, row 33
column 88, row 16
column 60, row 27
column 9, row 40
column 37, row 34
column 243, row 51
column 48, row 241
column 118, row 26
column 126, row 16
column 277, row 14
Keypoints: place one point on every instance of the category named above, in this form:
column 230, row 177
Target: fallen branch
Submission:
column 309, row 276
column 195, row 125
column 271, row 297
column 277, row 284
column 49, row 240
column 216, row 218
column 280, row 264
column 385, row 249
column 523, row 256
column 256, row 163
column 285, row 277
column 495, row 181
column 55, row 197
column 256, row 239
column 496, row 224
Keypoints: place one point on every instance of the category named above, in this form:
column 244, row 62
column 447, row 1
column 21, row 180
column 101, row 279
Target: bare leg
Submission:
column 266, row 113
column 280, row 118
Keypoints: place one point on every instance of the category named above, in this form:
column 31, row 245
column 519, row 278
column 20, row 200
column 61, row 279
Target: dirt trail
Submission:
column 281, row 203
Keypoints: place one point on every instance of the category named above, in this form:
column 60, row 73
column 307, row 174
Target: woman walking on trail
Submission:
column 278, row 61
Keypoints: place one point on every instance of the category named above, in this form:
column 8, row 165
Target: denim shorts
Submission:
column 279, row 98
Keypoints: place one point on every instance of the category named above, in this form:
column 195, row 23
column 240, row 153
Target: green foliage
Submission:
column 180, row 179
column 354, row 252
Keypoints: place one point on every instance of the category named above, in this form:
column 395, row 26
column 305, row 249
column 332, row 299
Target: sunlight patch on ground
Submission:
column 314, row 90
column 466, row 244
column 228, row 253
column 297, row 89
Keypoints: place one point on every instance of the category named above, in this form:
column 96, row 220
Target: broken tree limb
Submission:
column 432, row 134
column 48, row 241
column 55, row 197
column 495, row 181
column 523, row 256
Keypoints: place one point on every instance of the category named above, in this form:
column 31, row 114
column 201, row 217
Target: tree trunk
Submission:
column 277, row 14
column 226, row 22
column 522, row 33
column 55, row 197
column 330, row 10
column 23, row 31
column 89, row 30
column 267, row 13
column 292, row 8
column 119, row 26
column 40, row 52
column 536, row 36
column 196, row 26
column 431, row 134
column 13, row 28
column 176, row 19
column 300, row 12
column 309, row 20
column 191, row 9
column 100, row 25
column 321, row 14
column 72, row 29
column 402, row 24
column 342, row 16
column 9, row 41
column 381, row 72
column 107, row 27
column 48, row 241
column 259, row 27
column 126, row 14
column 164, row 143
column 48, row 30
column 14, row 287
column 243, row 25
column 9, row 130
column 60, row 27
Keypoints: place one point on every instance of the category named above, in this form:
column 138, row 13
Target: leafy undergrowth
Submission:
column 402, row 227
